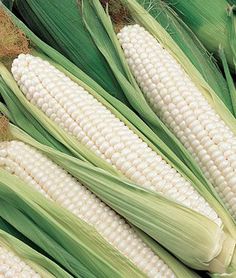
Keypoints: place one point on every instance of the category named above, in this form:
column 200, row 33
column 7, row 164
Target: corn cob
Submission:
column 11, row 266
column 84, row 117
column 56, row 184
column 182, row 107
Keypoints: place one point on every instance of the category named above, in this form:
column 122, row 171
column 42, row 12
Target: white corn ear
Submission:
column 89, row 121
column 183, row 108
column 56, row 184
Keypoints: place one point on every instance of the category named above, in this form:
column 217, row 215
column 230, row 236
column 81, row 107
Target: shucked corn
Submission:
column 11, row 266
column 182, row 107
column 89, row 121
column 56, row 184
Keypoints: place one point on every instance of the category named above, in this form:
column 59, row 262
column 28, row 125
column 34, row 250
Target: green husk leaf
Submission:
column 209, row 21
column 189, row 235
column 190, row 45
column 23, row 118
column 178, row 269
column 64, row 30
column 229, row 78
column 9, row 229
column 45, row 267
column 232, row 2
column 232, row 33
column 4, row 111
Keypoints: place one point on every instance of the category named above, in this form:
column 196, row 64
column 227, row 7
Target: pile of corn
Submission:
column 117, row 159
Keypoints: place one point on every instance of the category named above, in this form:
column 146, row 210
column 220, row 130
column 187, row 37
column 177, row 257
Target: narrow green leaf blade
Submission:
column 229, row 79
column 208, row 20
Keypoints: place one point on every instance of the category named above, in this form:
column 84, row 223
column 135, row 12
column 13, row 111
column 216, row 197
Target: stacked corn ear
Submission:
column 92, row 124
column 81, row 115
column 57, row 185
column 208, row 247
column 49, row 111
column 192, row 48
column 160, row 136
column 86, row 206
column 19, row 260
column 182, row 107
column 162, row 214
column 212, row 23
column 37, row 14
